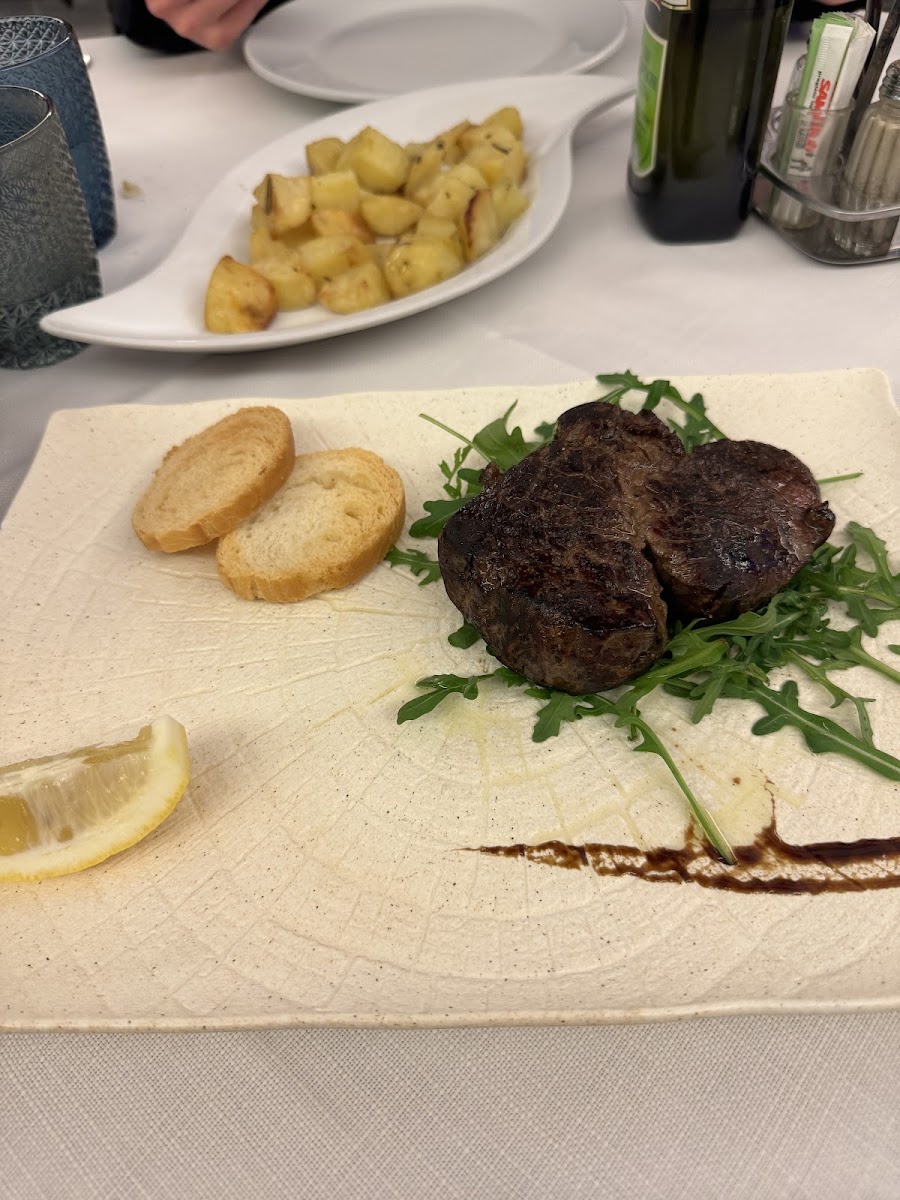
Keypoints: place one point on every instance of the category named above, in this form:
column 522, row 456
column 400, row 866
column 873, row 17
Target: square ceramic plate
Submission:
column 319, row 869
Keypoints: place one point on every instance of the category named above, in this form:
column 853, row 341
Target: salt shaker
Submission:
column 872, row 174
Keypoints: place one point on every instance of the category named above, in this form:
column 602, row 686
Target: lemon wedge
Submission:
column 69, row 811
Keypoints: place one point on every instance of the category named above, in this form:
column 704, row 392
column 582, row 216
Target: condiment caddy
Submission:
column 842, row 206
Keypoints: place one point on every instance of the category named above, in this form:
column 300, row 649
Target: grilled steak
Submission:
column 729, row 525
column 565, row 562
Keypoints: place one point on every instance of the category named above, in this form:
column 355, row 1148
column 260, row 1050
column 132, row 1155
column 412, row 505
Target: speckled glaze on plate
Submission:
column 316, row 871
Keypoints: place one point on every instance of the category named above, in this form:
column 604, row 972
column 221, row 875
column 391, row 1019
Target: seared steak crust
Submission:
column 563, row 561
column 547, row 562
column 731, row 525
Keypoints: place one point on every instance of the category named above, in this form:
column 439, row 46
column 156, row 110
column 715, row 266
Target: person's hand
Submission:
column 214, row 24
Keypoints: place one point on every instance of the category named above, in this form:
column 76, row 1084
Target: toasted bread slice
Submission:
column 337, row 516
column 208, row 484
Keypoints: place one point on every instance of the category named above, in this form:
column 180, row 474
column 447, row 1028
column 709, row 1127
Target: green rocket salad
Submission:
column 704, row 664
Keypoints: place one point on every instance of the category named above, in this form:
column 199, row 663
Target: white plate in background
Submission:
column 164, row 309
column 365, row 49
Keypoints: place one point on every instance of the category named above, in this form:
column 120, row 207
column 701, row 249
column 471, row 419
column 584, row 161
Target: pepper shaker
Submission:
column 872, row 175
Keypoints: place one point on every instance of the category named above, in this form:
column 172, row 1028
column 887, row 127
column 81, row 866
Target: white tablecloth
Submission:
column 748, row 1107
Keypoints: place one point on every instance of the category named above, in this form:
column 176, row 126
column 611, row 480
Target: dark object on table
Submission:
column 705, row 83
column 808, row 10
column 131, row 19
column 565, row 562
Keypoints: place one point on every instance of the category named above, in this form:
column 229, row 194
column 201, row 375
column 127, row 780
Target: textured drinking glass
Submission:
column 47, row 255
column 43, row 53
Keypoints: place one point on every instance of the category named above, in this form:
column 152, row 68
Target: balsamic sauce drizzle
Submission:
column 769, row 864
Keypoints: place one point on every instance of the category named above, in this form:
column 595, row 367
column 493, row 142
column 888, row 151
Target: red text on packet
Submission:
column 815, row 126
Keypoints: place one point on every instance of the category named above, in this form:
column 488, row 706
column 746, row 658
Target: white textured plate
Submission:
column 314, row 872
column 365, row 49
column 164, row 310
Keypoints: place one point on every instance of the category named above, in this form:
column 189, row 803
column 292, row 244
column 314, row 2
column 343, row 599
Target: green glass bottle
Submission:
column 705, row 84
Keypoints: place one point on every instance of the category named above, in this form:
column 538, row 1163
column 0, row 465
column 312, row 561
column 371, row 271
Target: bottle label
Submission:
column 646, row 105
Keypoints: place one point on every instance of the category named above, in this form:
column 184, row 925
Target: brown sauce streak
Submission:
column 768, row 865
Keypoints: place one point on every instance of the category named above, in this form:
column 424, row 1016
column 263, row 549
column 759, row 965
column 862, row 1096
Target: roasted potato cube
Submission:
column 498, row 166
column 361, row 287
column 238, row 299
column 263, row 245
column 439, row 227
column 510, row 117
column 497, row 154
column 480, row 225
column 421, row 263
column 493, row 133
column 378, row 163
column 336, row 189
column 448, row 143
column 294, row 287
column 380, row 252
column 326, row 257
column 510, row 202
column 286, row 202
column 331, row 222
column 424, row 176
column 469, row 174
column 389, row 216
column 323, row 154
column 451, row 198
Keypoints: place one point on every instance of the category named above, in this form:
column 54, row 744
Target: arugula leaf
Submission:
column 697, row 427
column 510, row 678
column 710, row 664
column 838, row 695
column 649, row 742
column 821, row 734
column 417, row 561
column 439, row 513
column 453, row 470
column 438, row 688
column 495, row 443
column 467, row 635
column 877, row 551
column 500, row 445
column 558, row 707
column 839, row 478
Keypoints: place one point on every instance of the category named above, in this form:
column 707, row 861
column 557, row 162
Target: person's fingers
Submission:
column 214, row 24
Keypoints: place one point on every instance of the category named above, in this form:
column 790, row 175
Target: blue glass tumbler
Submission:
column 47, row 255
column 43, row 53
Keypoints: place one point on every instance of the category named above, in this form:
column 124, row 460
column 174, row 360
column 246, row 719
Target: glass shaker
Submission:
column 872, row 175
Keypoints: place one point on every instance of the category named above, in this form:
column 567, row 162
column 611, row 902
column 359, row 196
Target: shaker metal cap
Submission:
column 890, row 86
